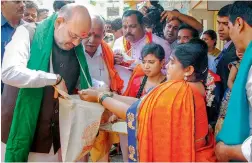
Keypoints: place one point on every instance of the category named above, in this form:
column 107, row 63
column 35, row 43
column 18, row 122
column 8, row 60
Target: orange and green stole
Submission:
column 168, row 125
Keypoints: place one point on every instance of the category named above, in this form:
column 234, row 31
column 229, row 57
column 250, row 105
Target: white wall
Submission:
column 203, row 14
column 182, row 6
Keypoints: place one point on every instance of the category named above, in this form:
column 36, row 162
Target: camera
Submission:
column 152, row 18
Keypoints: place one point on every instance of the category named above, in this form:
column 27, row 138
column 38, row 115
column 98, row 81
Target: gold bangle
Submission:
column 99, row 97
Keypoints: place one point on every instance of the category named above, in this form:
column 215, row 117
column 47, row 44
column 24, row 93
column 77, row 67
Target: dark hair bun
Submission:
column 194, row 53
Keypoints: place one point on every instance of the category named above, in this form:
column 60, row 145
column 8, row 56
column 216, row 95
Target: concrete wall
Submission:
column 203, row 14
column 217, row 5
column 183, row 6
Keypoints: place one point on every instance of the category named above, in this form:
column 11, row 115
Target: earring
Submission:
column 185, row 77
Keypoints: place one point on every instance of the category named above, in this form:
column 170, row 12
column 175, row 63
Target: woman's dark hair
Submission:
column 155, row 49
column 194, row 53
column 212, row 34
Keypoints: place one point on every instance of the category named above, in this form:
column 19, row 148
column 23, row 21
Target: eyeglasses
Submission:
column 74, row 37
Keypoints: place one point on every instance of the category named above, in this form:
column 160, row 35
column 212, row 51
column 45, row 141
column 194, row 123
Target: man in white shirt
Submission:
column 100, row 57
column 127, row 49
column 31, row 12
column 60, row 35
column 134, row 36
column 100, row 61
column 11, row 17
column 116, row 26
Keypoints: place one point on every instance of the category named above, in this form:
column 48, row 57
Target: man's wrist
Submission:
column 177, row 14
column 59, row 79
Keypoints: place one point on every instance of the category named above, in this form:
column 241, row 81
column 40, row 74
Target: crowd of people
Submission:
column 183, row 99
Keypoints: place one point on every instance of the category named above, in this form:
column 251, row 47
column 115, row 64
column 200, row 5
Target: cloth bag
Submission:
column 79, row 123
column 118, row 127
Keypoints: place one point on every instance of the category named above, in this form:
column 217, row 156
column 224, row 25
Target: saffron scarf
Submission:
column 116, row 83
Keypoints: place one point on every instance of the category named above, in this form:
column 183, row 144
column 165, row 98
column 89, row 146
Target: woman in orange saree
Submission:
column 170, row 123
column 162, row 125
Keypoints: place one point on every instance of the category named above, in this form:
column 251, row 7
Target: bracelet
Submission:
column 59, row 80
column 99, row 97
column 104, row 96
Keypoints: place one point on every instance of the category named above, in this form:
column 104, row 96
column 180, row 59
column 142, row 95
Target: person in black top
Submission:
column 228, row 54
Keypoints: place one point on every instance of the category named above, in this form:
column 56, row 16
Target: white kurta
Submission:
column 16, row 73
column 247, row 149
column 97, row 67
column 14, row 66
column 138, row 46
column 249, row 96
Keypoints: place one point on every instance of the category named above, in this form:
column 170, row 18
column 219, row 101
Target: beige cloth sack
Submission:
column 118, row 127
column 79, row 124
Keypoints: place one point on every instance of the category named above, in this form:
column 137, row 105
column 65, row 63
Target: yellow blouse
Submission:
column 215, row 52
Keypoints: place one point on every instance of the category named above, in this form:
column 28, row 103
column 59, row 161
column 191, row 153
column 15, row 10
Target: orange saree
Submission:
column 171, row 126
